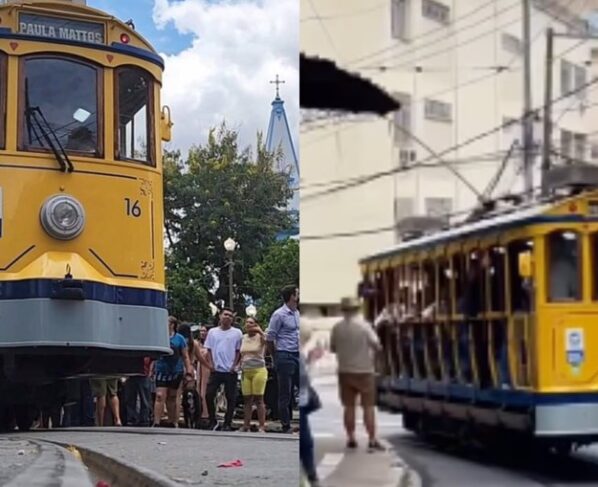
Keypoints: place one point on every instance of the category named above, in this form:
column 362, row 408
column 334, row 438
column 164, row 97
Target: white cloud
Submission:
column 238, row 47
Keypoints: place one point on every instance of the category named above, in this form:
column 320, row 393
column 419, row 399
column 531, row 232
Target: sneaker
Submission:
column 227, row 427
column 374, row 446
column 351, row 444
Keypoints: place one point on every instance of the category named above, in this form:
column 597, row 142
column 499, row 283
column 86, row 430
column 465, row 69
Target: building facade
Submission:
column 457, row 68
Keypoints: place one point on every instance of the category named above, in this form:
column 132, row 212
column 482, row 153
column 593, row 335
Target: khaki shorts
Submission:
column 352, row 386
column 104, row 387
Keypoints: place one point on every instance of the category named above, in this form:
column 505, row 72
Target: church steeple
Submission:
column 279, row 138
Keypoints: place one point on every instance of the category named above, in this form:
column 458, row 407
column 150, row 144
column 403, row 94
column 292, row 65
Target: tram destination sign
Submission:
column 61, row 28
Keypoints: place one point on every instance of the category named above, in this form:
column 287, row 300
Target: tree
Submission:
column 279, row 268
column 219, row 192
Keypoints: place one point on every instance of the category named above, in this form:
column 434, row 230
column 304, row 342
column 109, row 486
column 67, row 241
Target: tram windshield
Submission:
column 66, row 92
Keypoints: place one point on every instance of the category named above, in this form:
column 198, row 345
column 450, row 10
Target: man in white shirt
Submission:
column 223, row 344
column 355, row 343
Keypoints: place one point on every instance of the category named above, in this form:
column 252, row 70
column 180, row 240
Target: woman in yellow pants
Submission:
column 254, row 373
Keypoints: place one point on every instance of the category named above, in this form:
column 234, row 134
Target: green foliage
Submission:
column 218, row 192
column 279, row 268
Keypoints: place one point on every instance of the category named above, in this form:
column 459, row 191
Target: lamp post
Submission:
column 251, row 311
column 230, row 245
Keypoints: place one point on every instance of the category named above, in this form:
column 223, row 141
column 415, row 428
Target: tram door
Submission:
column 522, row 317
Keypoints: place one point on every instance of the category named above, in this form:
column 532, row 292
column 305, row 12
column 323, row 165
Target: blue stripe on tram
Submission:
column 94, row 291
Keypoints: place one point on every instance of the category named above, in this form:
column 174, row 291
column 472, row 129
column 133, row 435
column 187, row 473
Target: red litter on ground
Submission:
column 234, row 463
column 101, row 483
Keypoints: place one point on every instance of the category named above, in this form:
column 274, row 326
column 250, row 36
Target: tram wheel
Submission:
column 6, row 419
column 24, row 417
column 562, row 449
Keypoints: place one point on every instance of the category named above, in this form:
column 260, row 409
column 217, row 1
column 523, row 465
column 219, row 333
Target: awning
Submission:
column 325, row 86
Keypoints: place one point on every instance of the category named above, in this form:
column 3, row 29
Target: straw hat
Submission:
column 350, row 304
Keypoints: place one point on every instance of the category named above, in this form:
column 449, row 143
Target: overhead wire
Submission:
column 390, row 228
column 358, row 181
column 421, row 36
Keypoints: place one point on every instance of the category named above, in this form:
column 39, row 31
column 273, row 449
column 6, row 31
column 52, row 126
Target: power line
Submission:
column 421, row 36
column 326, row 33
column 345, row 15
column 374, row 176
column 375, row 231
column 435, row 42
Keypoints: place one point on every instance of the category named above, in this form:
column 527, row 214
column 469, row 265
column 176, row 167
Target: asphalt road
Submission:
column 437, row 465
column 188, row 457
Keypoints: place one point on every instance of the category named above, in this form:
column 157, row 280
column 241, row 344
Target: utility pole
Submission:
column 546, row 148
column 528, row 120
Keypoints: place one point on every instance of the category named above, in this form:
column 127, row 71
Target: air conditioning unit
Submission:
column 406, row 156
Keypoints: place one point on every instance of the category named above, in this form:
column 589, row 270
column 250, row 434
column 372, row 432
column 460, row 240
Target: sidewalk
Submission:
column 339, row 467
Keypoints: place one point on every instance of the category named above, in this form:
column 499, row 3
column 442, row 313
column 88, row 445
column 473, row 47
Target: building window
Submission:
column 594, row 151
column 579, row 147
column 573, row 146
column 573, row 78
column 439, row 207
column 511, row 43
column 581, row 75
column 398, row 18
column 438, row 110
column 402, row 118
column 436, row 11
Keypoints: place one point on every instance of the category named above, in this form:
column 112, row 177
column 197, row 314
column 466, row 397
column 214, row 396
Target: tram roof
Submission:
column 517, row 217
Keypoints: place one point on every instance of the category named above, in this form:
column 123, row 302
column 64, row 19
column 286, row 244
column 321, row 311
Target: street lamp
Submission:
column 251, row 311
column 230, row 245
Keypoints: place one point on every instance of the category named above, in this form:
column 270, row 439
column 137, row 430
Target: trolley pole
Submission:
column 546, row 147
column 528, row 120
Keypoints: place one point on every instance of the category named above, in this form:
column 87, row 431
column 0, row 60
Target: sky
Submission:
column 220, row 58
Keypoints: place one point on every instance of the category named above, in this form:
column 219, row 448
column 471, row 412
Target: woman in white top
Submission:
column 254, row 373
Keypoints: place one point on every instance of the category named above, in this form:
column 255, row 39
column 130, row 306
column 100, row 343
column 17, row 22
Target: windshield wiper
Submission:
column 36, row 118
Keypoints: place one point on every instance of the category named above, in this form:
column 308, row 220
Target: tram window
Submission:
column 3, row 61
column 520, row 289
column 428, row 285
column 60, row 96
column 594, row 244
column 564, row 269
column 444, row 287
column 496, row 274
column 458, row 270
column 135, row 115
column 475, row 283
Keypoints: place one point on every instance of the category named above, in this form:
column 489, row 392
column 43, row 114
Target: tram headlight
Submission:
column 63, row 217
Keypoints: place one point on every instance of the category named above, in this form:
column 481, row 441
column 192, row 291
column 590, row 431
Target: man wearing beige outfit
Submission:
column 355, row 344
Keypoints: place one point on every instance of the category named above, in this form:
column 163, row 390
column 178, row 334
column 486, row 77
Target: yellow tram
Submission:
column 81, row 200
column 491, row 326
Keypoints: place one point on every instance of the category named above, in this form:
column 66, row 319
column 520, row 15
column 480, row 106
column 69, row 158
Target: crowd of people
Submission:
column 200, row 364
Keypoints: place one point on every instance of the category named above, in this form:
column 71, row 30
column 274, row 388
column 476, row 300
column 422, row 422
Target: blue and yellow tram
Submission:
column 492, row 325
column 81, row 199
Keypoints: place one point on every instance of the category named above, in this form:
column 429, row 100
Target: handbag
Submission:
column 313, row 402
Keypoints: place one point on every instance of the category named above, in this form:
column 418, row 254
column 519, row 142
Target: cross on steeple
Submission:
column 277, row 82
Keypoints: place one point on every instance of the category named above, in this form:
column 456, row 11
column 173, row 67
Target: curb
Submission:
column 168, row 431
column 55, row 466
column 116, row 472
column 403, row 475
